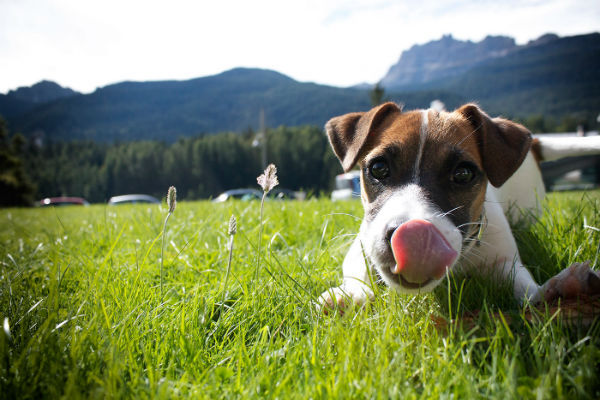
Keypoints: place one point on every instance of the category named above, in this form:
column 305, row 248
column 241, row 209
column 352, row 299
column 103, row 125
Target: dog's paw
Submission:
column 578, row 279
column 342, row 297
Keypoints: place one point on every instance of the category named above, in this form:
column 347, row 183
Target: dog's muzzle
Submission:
column 421, row 252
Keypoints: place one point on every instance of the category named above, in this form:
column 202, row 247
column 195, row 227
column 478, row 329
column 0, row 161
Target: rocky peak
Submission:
column 443, row 58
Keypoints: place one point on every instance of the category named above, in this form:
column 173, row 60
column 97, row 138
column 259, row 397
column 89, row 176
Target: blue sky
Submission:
column 88, row 44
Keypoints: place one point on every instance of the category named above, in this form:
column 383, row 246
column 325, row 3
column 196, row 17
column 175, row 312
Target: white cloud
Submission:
column 88, row 44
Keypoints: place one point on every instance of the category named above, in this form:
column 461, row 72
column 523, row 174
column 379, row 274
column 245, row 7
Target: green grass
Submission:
column 81, row 290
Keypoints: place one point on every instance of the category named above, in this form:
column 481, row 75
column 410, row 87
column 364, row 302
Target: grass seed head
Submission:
column 268, row 180
column 172, row 198
column 232, row 226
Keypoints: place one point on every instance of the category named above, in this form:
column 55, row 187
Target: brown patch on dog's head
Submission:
column 450, row 147
column 503, row 144
column 397, row 142
column 348, row 133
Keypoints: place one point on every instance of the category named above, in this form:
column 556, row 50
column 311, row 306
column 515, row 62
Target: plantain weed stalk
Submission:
column 171, row 203
column 231, row 232
column 267, row 181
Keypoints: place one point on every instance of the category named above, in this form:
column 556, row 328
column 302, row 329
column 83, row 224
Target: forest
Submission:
column 200, row 167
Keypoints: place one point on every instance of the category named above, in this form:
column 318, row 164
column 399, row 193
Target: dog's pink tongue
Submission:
column 421, row 252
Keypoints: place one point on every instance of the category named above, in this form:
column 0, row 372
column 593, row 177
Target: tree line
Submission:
column 200, row 167
column 16, row 188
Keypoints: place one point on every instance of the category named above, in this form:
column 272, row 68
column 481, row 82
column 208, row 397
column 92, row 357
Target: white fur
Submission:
column 406, row 204
column 422, row 138
column 498, row 249
column 523, row 191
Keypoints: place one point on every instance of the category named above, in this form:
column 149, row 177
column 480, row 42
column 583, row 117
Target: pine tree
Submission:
column 16, row 188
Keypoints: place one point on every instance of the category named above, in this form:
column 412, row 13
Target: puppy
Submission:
column 437, row 185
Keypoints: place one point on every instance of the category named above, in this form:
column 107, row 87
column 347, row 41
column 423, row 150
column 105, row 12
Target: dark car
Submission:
column 240, row 194
column 282, row 194
column 63, row 201
column 132, row 199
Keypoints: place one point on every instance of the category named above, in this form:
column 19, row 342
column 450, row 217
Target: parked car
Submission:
column 347, row 186
column 63, row 201
column 133, row 198
column 241, row 194
column 282, row 194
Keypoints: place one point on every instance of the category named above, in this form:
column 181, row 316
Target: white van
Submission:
column 347, row 186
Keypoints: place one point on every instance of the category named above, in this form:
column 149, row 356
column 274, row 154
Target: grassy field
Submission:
column 83, row 313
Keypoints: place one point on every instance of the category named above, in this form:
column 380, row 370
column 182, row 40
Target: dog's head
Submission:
column 423, row 181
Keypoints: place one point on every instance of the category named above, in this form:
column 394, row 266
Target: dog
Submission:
column 436, row 188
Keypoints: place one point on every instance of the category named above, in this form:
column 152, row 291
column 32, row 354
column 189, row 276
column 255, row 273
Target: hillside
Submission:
column 230, row 101
column 165, row 110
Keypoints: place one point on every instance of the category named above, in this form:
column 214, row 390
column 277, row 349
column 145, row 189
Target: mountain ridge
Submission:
column 547, row 76
column 165, row 110
column 41, row 92
column 25, row 98
column 443, row 58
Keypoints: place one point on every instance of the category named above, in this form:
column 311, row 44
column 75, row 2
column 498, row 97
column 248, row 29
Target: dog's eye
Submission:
column 463, row 174
column 379, row 169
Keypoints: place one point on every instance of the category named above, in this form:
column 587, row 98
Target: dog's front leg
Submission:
column 499, row 250
column 355, row 287
column 525, row 288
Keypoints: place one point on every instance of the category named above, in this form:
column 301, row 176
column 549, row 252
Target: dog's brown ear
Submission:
column 348, row 133
column 503, row 144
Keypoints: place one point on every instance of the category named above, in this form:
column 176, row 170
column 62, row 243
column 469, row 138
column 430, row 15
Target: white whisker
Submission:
column 444, row 214
column 470, row 223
